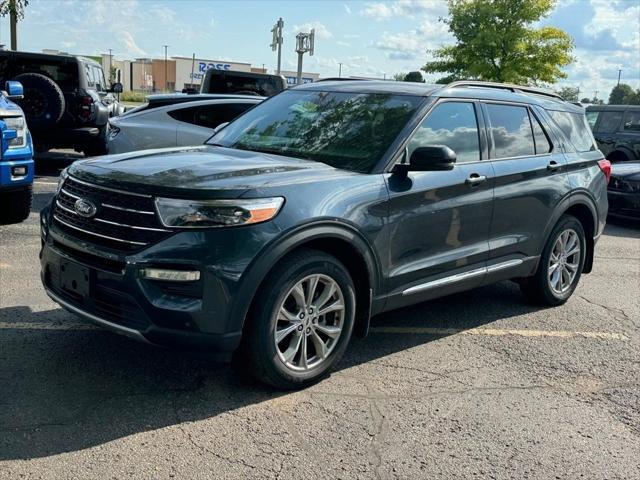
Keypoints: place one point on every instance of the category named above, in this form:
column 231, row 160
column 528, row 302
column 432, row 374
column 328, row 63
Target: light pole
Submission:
column 304, row 44
column 339, row 70
column 166, row 83
column 276, row 43
column 619, row 73
column 110, row 66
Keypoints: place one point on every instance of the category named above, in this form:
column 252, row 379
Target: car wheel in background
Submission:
column 560, row 265
column 301, row 320
column 99, row 144
column 16, row 205
column 43, row 103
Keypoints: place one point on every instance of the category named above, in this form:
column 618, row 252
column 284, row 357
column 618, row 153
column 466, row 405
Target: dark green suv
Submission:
column 322, row 206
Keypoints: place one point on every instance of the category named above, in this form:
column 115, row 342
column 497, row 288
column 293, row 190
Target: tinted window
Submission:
column 631, row 121
column 592, row 118
column 576, row 129
column 511, row 131
column 543, row 145
column 210, row 116
column 609, row 122
column 452, row 124
column 351, row 131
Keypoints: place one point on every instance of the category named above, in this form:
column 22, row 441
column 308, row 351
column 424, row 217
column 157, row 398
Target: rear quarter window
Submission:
column 575, row 128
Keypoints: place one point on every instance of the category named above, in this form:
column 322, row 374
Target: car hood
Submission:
column 201, row 172
column 626, row 170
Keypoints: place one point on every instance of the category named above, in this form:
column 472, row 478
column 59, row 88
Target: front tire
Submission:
column 15, row 206
column 560, row 265
column 301, row 320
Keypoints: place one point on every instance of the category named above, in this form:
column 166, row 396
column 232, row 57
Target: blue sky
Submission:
column 370, row 38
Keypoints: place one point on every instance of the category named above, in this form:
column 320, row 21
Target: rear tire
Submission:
column 43, row 103
column 560, row 265
column 99, row 145
column 15, row 206
column 286, row 322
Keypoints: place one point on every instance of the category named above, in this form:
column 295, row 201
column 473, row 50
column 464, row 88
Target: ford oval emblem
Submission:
column 85, row 208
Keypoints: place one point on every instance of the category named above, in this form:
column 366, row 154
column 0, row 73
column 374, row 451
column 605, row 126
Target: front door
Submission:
column 439, row 220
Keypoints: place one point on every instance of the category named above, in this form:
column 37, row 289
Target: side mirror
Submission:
column 116, row 88
column 433, row 157
column 14, row 90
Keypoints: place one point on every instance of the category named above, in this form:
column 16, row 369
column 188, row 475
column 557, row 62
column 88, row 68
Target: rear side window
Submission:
column 575, row 128
column 210, row 116
column 631, row 121
column 543, row 145
column 511, row 131
column 609, row 122
column 452, row 124
column 592, row 118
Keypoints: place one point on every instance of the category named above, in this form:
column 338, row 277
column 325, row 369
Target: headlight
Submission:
column 216, row 213
column 20, row 126
column 61, row 179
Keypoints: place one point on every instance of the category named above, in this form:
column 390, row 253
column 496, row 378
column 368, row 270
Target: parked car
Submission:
column 624, row 190
column 174, row 120
column 16, row 157
column 67, row 101
column 322, row 206
column 242, row 83
column 616, row 129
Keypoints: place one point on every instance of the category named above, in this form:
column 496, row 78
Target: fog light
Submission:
column 170, row 275
column 18, row 171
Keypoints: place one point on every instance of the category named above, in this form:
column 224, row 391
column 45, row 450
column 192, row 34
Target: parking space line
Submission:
column 40, row 182
column 496, row 332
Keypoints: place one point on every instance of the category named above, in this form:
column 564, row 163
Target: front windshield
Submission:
column 351, row 131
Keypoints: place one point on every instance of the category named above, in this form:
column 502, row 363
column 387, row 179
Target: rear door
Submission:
column 530, row 180
column 196, row 123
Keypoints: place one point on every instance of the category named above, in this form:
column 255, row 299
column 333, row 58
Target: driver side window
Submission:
column 453, row 124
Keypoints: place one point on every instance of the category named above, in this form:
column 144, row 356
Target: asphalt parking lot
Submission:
column 476, row 385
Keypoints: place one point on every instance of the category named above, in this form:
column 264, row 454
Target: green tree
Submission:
column 414, row 77
column 585, row 100
column 399, row 77
column 570, row 94
column 496, row 40
column 621, row 94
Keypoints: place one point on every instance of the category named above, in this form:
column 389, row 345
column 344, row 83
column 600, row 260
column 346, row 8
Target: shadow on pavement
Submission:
column 51, row 163
column 65, row 390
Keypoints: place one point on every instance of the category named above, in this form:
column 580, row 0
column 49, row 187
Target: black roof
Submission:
column 612, row 108
column 470, row 89
column 60, row 57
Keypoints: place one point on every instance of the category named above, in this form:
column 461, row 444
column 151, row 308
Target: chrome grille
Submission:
column 123, row 221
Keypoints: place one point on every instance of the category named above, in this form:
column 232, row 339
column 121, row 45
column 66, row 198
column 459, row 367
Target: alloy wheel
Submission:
column 564, row 261
column 309, row 322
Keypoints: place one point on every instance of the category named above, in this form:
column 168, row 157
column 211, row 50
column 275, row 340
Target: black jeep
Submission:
column 616, row 129
column 67, row 103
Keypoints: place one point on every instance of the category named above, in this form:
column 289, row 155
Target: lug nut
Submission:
column 299, row 328
column 311, row 310
column 302, row 315
column 308, row 330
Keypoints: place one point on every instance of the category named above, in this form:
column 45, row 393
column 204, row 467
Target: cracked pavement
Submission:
column 79, row 402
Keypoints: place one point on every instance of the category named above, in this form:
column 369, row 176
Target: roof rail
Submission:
column 503, row 86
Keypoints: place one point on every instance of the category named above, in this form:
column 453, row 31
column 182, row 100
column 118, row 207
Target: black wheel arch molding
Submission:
column 311, row 235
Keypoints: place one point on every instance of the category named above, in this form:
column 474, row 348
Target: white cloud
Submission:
column 347, row 9
column 612, row 17
column 413, row 44
column 320, row 29
column 130, row 43
column 403, row 8
column 342, row 43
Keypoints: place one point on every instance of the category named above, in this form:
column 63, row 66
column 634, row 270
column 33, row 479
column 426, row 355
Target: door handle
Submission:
column 475, row 179
column 553, row 166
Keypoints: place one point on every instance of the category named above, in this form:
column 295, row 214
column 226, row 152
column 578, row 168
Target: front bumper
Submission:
column 115, row 295
column 624, row 204
column 11, row 158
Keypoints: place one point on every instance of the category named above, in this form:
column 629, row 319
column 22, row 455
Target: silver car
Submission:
column 174, row 120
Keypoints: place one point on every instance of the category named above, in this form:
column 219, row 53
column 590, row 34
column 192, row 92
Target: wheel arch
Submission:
column 620, row 154
column 340, row 240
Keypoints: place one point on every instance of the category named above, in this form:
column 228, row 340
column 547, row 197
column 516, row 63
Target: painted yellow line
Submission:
column 496, row 332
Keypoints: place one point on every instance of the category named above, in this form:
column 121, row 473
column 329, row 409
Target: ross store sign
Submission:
column 204, row 66
column 291, row 81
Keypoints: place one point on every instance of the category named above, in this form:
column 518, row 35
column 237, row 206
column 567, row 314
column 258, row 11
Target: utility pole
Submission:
column 276, row 43
column 619, row 73
column 304, row 44
column 339, row 70
column 166, row 83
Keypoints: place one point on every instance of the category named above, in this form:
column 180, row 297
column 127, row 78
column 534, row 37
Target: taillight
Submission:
column 605, row 166
column 86, row 107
